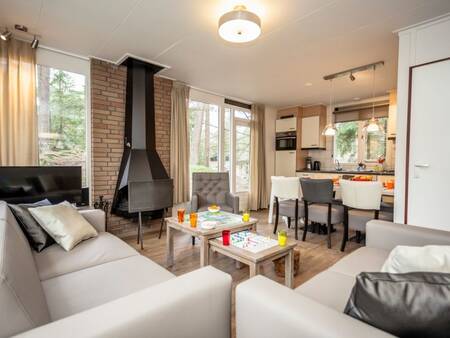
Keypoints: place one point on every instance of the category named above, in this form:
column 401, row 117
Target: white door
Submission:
column 310, row 132
column 285, row 163
column 429, row 160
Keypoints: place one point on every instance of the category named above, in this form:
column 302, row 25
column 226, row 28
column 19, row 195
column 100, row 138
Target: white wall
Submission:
column 270, row 118
column 418, row 44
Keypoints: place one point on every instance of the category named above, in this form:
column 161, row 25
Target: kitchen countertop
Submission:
column 349, row 172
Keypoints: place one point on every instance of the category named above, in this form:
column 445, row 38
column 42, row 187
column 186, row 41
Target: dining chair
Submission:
column 319, row 205
column 287, row 196
column 362, row 203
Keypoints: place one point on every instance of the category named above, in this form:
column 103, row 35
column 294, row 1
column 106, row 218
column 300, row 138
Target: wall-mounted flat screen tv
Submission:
column 32, row 184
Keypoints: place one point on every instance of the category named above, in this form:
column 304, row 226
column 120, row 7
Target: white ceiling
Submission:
column 301, row 41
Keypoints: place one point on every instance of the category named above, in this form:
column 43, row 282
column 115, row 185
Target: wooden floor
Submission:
column 314, row 254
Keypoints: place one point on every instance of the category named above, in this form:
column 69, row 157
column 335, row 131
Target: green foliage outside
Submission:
column 346, row 142
column 62, row 118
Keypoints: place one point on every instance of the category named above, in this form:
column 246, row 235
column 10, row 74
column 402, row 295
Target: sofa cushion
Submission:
column 64, row 223
column 81, row 290
column 55, row 261
column 22, row 301
column 38, row 238
column 405, row 304
column 329, row 288
column 364, row 259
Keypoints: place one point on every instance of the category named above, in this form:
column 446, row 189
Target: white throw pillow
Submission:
column 64, row 223
column 430, row 258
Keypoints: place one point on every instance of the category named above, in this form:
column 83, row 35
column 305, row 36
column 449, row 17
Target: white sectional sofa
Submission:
column 103, row 288
column 315, row 309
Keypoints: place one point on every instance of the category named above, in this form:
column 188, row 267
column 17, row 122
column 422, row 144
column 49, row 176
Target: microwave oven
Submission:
column 286, row 141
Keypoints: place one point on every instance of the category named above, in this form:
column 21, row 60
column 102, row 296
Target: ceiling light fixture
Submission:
column 352, row 77
column 239, row 25
column 35, row 42
column 373, row 125
column 330, row 129
column 6, row 35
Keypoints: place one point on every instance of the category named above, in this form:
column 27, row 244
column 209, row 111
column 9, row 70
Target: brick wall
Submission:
column 108, row 85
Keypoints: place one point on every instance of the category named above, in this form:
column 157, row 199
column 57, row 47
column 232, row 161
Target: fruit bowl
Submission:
column 214, row 208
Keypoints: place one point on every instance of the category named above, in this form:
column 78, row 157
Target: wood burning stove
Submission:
column 143, row 185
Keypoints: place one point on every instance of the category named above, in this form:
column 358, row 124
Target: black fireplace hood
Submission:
column 141, row 166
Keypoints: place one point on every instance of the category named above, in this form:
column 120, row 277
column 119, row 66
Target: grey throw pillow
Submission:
column 414, row 304
column 38, row 238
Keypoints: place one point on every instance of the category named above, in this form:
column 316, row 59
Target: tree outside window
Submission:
column 61, row 107
column 352, row 144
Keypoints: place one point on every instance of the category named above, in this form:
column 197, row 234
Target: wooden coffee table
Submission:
column 233, row 223
column 254, row 260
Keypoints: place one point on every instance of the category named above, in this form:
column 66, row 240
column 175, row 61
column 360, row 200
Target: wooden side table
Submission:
column 254, row 260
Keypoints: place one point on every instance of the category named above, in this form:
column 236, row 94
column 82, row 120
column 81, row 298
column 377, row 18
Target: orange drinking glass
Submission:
column 193, row 219
column 181, row 215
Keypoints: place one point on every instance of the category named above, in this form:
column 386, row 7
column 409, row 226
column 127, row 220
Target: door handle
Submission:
column 422, row 165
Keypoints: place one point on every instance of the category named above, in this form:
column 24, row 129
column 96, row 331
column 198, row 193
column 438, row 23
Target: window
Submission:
column 353, row 144
column 204, row 137
column 61, row 108
column 219, row 138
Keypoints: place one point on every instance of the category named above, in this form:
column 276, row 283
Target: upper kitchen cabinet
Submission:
column 313, row 121
column 392, row 120
column 286, row 124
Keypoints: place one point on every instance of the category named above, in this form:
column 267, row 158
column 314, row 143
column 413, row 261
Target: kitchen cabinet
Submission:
column 313, row 121
column 287, row 124
column 285, row 163
column 392, row 120
column 311, row 132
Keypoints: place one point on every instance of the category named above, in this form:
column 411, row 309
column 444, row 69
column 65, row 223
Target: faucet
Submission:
column 337, row 165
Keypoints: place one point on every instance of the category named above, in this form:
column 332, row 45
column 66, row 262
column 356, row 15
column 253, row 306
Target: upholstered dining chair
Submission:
column 362, row 203
column 319, row 206
column 213, row 188
column 287, row 196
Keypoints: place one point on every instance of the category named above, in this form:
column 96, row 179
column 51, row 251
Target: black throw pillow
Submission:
column 38, row 238
column 415, row 304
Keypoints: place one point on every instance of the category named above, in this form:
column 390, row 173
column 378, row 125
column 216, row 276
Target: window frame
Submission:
column 206, row 98
column 361, row 145
column 79, row 65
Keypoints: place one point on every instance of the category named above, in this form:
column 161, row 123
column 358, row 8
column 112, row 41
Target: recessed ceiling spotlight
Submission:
column 356, row 98
column 308, row 84
column 352, row 77
column 239, row 25
column 6, row 35
column 35, row 42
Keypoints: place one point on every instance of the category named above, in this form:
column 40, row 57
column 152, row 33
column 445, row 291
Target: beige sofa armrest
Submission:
column 265, row 308
column 387, row 235
column 95, row 217
column 197, row 304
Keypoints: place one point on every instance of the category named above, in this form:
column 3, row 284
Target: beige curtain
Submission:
column 258, row 192
column 179, row 142
column 18, row 119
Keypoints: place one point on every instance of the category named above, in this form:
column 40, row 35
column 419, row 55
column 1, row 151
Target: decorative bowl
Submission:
column 214, row 208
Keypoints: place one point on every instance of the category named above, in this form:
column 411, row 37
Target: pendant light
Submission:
column 330, row 129
column 373, row 125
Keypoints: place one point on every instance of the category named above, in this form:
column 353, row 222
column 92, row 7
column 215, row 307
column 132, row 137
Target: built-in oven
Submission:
column 286, row 140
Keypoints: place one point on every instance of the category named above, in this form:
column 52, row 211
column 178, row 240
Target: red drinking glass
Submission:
column 226, row 237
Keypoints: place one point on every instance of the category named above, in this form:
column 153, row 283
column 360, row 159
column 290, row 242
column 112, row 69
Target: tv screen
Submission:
column 32, row 184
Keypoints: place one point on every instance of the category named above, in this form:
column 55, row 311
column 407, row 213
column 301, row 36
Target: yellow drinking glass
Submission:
column 246, row 216
column 282, row 238
column 193, row 219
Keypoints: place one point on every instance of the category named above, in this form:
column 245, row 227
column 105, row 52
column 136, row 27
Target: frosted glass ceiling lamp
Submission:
column 239, row 25
column 330, row 129
column 373, row 126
